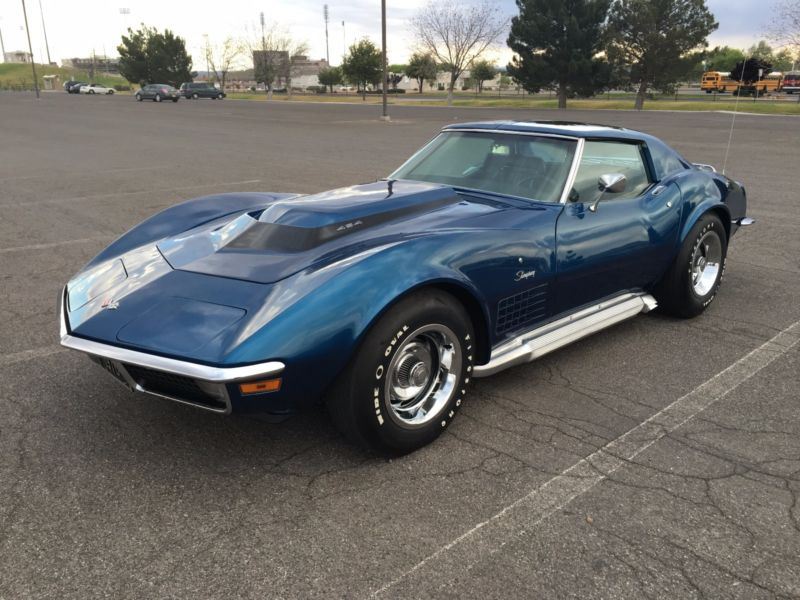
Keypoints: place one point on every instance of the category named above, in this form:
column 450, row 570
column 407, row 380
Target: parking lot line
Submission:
column 45, row 246
column 17, row 357
column 134, row 193
column 489, row 536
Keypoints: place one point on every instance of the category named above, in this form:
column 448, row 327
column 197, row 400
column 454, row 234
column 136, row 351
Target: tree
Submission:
column 422, row 67
column 482, row 70
column 147, row 56
column 784, row 60
column 750, row 71
column 656, row 41
column 760, row 50
column 274, row 53
column 457, row 34
column 330, row 77
column 556, row 45
column 221, row 58
column 723, row 58
column 785, row 28
column 363, row 65
column 393, row 79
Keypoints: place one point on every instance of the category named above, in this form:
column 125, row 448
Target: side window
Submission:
column 604, row 158
column 665, row 160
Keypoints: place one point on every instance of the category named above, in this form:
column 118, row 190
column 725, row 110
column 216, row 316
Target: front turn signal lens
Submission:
column 260, row 387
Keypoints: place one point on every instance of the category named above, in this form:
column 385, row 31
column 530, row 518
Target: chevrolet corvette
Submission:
column 496, row 243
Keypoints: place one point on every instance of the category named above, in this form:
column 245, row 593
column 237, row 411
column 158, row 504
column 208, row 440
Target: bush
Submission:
column 122, row 88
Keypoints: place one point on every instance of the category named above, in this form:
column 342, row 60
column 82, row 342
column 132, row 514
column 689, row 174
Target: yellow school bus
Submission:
column 719, row 81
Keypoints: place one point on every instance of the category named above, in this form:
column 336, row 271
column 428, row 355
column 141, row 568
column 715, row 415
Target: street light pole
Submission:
column 2, row 47
column 385, row 67
column 327, row 45
column 30, row 49
column 44, row 30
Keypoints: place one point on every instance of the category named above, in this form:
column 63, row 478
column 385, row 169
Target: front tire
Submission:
column 138, row 97
column 409, row 376
column 692, row 282
column 195, row 96
column 157, row 98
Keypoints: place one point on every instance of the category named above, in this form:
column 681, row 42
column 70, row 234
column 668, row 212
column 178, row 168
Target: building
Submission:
column 302, row 71
column 18, row 56
column 93, row 64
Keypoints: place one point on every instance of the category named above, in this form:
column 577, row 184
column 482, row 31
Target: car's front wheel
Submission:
column 110, row 92
column 138, row 97
column 195, row 96
column 157, row 98
column 692, row 282
column 409, row 376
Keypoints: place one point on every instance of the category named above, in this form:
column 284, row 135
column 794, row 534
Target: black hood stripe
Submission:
column 289, row 238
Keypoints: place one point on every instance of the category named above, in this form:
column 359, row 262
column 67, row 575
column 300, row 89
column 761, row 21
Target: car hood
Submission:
column 310, row 231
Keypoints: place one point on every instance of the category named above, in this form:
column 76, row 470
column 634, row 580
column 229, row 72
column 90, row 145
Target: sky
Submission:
column 76, row 28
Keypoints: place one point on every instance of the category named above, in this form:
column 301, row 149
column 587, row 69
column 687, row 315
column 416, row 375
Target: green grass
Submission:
column 767, row 107
column 20, row 77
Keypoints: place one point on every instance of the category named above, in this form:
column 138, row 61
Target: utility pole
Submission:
column 30, row 49
column 2, row 47
column 327, row 45
column 385, row 67
column 44, row 30
column 206, row 51
column 344, row 42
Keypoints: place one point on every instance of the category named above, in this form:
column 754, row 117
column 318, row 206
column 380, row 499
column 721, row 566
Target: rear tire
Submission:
column 692, row 282
column 408, row 378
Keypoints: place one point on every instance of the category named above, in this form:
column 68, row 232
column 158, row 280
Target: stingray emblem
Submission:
column 110, row 304
column 521, row 275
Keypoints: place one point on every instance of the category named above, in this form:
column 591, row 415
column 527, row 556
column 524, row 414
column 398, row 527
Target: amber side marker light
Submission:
column 260, row 387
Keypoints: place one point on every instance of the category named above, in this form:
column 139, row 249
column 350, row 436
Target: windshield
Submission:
column 527, row 166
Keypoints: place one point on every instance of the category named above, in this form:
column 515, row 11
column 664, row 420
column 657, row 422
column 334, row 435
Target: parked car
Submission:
column 496, row 243
column 94, row 88
column 201, row 90
column 158, row 92
column 74, row 87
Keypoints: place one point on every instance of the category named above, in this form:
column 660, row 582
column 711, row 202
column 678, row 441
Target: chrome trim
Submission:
column 225, row 398
column 531, row 133
column 547, row 338
column 573, row 170
column 744, row 221
column 705, row 167
column 168, row 365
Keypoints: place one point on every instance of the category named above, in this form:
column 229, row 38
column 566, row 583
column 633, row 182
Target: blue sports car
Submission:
column 496, row 243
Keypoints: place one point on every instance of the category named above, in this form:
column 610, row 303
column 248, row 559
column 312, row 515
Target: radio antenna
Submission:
column 735, row 111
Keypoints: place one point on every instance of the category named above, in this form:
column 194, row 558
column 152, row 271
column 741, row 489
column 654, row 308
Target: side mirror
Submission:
column 613, row 183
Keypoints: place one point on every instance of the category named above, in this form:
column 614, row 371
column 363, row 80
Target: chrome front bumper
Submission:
column 197, row 385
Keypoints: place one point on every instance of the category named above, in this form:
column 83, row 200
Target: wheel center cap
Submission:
column 701, row 263
column 419, row 374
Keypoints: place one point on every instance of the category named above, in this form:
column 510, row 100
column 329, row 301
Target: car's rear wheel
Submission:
column 175, row 99
column 691, row 284
column 110, row 92
column 220, row 96
column 408, row 377
column 91, row 92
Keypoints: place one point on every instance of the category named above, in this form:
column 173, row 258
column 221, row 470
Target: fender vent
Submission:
column 520, row 309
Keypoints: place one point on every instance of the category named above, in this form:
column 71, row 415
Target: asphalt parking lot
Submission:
column 660, row 458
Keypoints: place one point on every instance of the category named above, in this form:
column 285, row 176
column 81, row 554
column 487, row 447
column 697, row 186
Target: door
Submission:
column 627, row 242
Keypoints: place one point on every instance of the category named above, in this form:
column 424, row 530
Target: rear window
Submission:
column 665, row 161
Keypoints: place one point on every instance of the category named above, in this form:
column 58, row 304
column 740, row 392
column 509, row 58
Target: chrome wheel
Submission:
column 422, row 376
column 706, row 263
